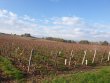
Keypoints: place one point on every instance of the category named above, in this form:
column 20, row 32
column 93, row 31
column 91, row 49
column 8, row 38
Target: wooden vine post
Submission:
column 94, row 57
column 30, row 60
column 71, row 56
column 108, row 56
column 69, row 63
column 65, row 61
column 16, row 51
column 84, row 57
column 86, row 62
column 102, row 58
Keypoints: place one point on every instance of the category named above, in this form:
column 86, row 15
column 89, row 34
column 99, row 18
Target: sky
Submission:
column 68, row 19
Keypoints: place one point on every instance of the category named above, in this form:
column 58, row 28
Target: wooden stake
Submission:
column 86, row 62
column 102, row 58
column 71, row 52
column 72, row 55
column 30, row 60
column 65, row 61
column 84, row 57
column 94, row 57
column 69, row 61
column 17, row 50
column 109, row 56
column 59, row 52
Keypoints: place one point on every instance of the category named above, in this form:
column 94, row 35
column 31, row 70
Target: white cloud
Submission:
column 68, row 20
column 3, row 12
column 28, row 18
column 11, row 23
column 63, row 27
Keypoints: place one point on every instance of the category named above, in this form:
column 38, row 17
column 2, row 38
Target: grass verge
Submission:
column 8, row 70
column 96, row 76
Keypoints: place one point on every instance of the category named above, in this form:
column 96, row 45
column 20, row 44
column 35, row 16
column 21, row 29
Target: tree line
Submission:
column 80, row 42
column 70, row 41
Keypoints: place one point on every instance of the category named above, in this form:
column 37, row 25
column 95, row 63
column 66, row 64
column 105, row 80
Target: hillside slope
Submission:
column 47, row 57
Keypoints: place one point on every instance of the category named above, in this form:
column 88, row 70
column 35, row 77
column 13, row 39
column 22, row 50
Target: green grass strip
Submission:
column 8, row 69
column 97, row 76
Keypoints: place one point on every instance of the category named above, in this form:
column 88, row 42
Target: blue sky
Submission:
column 69, row 19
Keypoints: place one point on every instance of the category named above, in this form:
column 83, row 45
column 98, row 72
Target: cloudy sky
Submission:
column 68, row 19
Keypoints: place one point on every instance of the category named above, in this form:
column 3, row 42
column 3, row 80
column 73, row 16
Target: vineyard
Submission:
column 21, row 57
